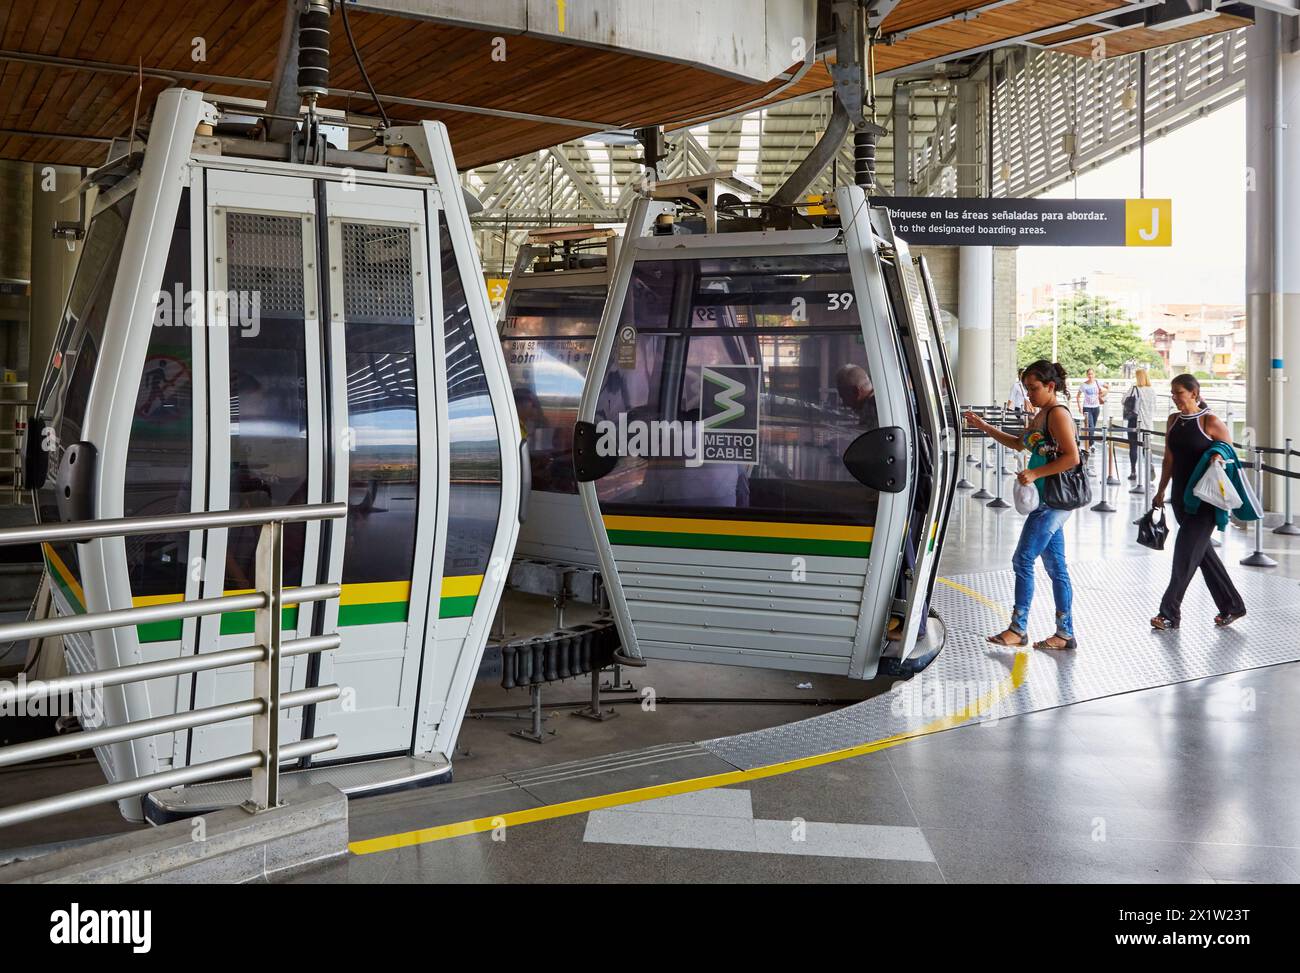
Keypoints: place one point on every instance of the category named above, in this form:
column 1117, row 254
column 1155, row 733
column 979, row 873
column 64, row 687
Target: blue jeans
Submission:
column 1043, row 536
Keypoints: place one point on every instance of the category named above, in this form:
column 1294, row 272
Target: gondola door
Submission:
column 931, row 494
column 266, row 420
column 951, row 411
column 385, row 452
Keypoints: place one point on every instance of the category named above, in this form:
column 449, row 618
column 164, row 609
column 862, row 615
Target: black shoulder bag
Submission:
column 1068, row 490
column 1131, row 404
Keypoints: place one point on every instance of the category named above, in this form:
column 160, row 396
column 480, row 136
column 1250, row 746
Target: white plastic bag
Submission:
column 1216, row 489
column 1024, row 497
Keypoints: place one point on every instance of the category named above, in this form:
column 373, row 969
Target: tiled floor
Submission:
column 1193, row 782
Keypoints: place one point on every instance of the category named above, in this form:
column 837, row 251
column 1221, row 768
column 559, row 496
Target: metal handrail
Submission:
column 87, row 530
column 16, row 692
column 125, row 617
column 266, row 601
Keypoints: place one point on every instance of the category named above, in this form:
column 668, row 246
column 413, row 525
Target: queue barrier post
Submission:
column 997, row 503
column 1108, row 449
column 1104, row 506
column 1287, row 526
column 1257, row 558
column 982, row 493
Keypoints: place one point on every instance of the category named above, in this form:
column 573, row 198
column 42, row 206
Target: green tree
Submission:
column 1092, row 332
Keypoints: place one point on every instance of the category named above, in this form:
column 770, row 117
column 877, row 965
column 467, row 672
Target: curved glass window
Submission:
column 268, row 389
column 160, row 455
column 475, row 492
column 383, row 419
column 547, row 340
column 745, row 410
column 67, row 384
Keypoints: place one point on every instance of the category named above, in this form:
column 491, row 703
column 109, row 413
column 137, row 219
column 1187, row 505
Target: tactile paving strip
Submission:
column 1118, row 653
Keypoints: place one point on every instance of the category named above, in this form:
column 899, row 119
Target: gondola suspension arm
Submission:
column 849, row 76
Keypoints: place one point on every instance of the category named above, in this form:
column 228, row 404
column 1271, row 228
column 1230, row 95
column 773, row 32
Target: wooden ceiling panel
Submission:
column 1144, row 39
column 1074, row 33
column 991, row 27
column 911, row 13
column 413, row 59
column 426, row 61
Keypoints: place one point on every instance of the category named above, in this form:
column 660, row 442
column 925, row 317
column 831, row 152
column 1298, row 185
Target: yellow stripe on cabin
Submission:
column 739, row 528
column 67, row 576
column 462, row 587
column 375, row 593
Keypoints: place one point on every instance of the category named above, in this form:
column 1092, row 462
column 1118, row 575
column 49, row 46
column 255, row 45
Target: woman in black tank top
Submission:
column 1192, row 430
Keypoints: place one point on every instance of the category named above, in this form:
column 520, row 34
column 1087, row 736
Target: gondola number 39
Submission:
column 839, row 302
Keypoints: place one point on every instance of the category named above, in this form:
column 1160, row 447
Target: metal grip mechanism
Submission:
column 314, row 50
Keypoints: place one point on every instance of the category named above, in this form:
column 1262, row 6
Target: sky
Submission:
column 1201, row 167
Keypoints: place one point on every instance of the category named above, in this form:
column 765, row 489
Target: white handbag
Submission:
column 1025, row 498
column 1215, row 488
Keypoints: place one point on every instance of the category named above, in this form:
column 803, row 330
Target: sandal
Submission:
column 1162, row 624
column 1000, row 638
column 1047, row 643
column 1224, row 619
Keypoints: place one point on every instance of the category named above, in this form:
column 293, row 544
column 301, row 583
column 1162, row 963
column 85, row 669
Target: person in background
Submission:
column 1142, row 398
column 1090, row 398
column 1050, row 438
column 857, row 393
column 1191, row 431
column 1019, row 398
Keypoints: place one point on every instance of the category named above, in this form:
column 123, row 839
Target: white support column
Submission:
column 1272, row 228
column 975, row 326
column 975, row 271
column 1288, row 209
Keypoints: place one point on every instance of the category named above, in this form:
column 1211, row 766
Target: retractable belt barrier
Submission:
column 1108, row 432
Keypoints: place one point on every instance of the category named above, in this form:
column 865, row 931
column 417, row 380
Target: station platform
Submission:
column 1141, row 757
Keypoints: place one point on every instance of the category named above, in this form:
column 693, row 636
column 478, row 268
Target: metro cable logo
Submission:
column 726, row 432
column 73, row 927
column 729, row 413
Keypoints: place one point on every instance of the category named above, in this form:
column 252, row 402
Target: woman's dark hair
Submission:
column 1189, row 383
column 1046, row 371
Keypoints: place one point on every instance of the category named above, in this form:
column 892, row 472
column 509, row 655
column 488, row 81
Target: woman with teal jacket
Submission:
column 1192, row 431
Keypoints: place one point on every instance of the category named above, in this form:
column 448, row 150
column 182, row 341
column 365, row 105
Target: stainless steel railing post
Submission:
column 997, row 503
column 1148, row 469
column 1143, row 457
column 1257, row 558
column 982, row 493
column 267, row 625
column 1108, row 449
column 1103, row 505
column 1288, row 525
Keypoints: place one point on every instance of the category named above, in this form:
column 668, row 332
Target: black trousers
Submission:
column 1193, row 550
column 1132, row 446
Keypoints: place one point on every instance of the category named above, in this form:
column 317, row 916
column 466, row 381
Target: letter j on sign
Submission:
column 1148, row 223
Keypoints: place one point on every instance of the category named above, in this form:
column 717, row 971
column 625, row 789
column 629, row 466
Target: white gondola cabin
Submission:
column 248, row 331
column 765, row 447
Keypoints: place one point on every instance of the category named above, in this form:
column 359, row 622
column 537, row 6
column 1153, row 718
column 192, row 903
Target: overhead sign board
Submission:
column 976, row 222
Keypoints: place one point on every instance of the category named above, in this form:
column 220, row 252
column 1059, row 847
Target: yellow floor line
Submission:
column 972, row 593
column 423, row 836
